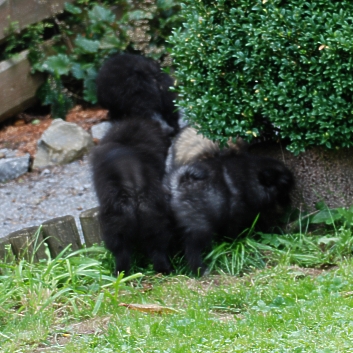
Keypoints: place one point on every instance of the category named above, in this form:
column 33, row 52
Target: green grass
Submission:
column 265, row 294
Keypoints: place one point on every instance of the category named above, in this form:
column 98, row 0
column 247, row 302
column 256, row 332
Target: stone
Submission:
column 45, row 172
column 99, row 130
column 61, row 143
column 13, row 167
column 6, row 153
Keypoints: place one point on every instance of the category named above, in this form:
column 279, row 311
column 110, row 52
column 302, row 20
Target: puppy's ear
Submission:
column 268, row 177
column 276, row 177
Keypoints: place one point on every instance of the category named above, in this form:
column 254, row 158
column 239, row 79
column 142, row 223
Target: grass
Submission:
column 288, row 293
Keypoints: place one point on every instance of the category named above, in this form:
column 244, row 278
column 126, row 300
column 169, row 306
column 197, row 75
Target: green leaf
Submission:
column 75, row 10
column 87, row 45
column 325, row 216
column 77, row 71
column 101, row 14
column 165, row 4
column 58, row 64
column 321, row 205
column 98, row 304
column 139, row 15
column 90, row 89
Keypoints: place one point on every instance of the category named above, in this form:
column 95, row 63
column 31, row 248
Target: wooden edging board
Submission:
column 18, row 85
column 57, row 234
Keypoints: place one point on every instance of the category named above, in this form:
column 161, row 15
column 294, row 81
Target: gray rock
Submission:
column 45, row 172
column 13, row 167
column 6, row 153
column 61, row 143
column 99, row 130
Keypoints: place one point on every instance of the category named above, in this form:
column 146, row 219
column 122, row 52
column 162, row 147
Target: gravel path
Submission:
column 55, row 192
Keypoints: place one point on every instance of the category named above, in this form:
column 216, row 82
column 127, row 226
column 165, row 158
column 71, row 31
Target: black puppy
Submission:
column 222, row 192
column 132, row 85
column 128, row 167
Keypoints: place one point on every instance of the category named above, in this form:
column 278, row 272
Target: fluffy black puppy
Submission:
column 128, row 167
column 132, row 85
column 222, row 192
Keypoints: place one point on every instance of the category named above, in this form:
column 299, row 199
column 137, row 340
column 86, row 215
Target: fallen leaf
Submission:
column 347, row 294
column 19, row 123
column 150, row 308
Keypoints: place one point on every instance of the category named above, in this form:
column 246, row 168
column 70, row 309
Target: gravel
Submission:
column 38, row 197
column 56, row 191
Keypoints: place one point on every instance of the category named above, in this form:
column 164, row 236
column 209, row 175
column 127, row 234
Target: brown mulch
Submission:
column 23, row 134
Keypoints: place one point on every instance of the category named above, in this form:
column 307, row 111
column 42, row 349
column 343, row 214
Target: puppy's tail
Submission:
column 190, row 146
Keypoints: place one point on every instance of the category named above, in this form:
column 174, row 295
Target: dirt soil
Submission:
column 26, row 129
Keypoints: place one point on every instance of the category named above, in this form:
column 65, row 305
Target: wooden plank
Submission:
column 27, row 243
column 91, row 229
column 27, row 12
column 5, row 255
column 18, row 85
column 4, row 17
column 61, row 232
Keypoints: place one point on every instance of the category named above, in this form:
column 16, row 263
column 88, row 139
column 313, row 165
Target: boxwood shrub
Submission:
column 271, row 68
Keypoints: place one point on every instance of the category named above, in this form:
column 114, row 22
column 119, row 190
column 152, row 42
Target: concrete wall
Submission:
column 321, row 174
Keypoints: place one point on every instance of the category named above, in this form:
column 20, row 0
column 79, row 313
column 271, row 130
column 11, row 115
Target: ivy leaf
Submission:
column 111, row 42
column 72, row 9
column 99, row 13
column 165, row 4
column 139, row 15
column 58, row 64
column 77, row 71
column 87, row 45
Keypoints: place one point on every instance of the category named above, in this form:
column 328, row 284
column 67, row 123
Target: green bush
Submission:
column 274, row 68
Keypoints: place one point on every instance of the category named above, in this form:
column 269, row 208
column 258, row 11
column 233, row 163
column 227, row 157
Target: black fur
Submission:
column 223, row 195
column 128, row 167
column 132, row 85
